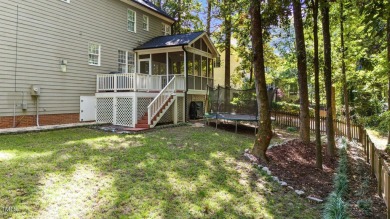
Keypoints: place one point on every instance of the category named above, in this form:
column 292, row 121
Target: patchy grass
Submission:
column 181, row 172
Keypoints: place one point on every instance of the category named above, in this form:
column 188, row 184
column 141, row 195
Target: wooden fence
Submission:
column 285, row 119
column 379, row 167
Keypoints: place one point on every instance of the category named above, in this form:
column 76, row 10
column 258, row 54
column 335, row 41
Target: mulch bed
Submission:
column 363, row 186
column 294, row 163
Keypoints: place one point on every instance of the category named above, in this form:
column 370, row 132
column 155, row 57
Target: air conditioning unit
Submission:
column 35, row 90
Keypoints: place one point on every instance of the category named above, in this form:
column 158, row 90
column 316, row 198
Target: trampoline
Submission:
column 232, row 117
column 232, row 105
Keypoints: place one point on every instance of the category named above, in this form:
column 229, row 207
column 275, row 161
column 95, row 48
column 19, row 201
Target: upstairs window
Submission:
column 131, row 18
column 145, row 23
column 166, row 29
column 94, row 54
column 130, row 62
column 126, row 62
column 122, row 61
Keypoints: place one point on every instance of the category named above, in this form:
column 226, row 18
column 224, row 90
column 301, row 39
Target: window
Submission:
column 125, row 62
column 166, row 29
column 67, row 1
column 131, row 17
column 145, row 23
column 94, row 54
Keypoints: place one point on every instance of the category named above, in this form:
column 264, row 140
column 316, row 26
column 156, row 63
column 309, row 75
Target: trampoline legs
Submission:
column 236, row 126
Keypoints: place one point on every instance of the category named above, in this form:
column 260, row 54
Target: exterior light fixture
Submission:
column 63, row 65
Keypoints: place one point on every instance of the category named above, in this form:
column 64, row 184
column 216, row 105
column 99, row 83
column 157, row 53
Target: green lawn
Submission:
column 181, row 172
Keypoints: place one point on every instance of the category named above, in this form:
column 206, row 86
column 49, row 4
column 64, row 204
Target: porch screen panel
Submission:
column 190, row 63
column 204, row 83
column 176, row 63
column 159, row 65
column 191, row 82
column 197, row 65
column 204, row 66
column 198, row 83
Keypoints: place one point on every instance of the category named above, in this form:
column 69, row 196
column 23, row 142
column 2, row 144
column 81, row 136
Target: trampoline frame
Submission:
column 218, row 116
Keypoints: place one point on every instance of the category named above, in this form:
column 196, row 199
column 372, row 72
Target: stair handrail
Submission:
column 159, row 101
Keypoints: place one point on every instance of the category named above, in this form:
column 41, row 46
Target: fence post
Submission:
column 367, row 148
column 360, row 127
column 372, row 158
column 379, row 178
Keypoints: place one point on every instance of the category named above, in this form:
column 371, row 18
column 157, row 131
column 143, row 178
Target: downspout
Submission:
column 16, row 61
column 37, row 111
column 186, row 74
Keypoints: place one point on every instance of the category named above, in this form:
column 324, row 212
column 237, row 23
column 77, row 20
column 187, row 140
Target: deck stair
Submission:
column 159, row 106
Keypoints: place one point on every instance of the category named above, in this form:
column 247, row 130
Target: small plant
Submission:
column 335, row 208
column 292, row 129
column 366, row 206
column 341, row 184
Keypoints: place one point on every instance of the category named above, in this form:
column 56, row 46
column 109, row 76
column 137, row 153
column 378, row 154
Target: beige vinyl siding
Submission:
column 50, row 31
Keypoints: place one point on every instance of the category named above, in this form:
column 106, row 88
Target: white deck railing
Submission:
column 136, row 82
column 159, row 101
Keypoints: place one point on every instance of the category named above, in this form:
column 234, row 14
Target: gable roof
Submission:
column 170, row 40
column 150, row 5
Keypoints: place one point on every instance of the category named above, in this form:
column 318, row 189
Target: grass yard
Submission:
column 181, row 172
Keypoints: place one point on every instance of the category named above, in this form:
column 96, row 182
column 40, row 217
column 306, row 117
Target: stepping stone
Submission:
column 299, row 192
column 315, row 199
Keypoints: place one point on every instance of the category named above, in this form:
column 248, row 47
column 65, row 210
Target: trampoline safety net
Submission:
column 235, row 104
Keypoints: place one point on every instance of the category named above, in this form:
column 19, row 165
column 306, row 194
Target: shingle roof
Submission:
column 150, row 5
column 170, row 40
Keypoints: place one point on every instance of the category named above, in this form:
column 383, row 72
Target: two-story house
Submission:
column 121, row 52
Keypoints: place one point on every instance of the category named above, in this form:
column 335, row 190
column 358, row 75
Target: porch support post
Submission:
column 167, row 61
column 175, row 111
column 114, row 101
column 135, row 110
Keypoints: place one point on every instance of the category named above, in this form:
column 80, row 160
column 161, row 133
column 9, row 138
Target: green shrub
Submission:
column 289, row 107
column 366, row 206
column 335, row 207
column 341, row 184
column 292, row 129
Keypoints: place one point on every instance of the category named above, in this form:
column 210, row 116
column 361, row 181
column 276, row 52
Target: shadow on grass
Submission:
column 173, row 173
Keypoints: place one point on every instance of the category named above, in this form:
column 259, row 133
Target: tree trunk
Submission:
column 388, row 71
column 208, row 19
column 345, row 90
column 317, row 86
column 228, row 33
column 264, row 134
column 304, row 117
column 178, row 22
column 328, row 77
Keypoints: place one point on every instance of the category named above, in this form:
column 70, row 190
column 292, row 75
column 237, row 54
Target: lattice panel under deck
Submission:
column 180, row 104
column 168, row 116
column 124, row 111
column 105, row 110
column 142, row 106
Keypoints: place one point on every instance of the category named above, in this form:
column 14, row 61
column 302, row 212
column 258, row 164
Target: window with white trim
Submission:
column 131, row 20
column 145, row 22
column 126, row 63
column 166, row 29
column 94, row 54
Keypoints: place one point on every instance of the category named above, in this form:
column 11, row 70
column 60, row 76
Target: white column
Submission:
column 167, row 68
column 114, row 107
column 175, row 111
column 135, row 110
